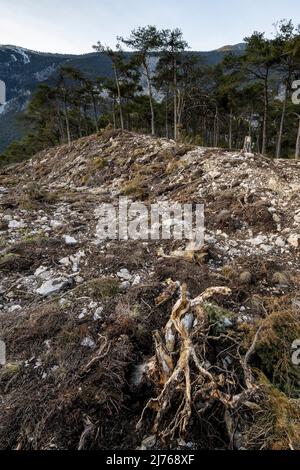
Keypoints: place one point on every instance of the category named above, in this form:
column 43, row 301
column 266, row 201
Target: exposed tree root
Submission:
column 186, row 379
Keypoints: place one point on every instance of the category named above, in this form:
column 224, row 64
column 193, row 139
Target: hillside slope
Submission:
column 149, row 344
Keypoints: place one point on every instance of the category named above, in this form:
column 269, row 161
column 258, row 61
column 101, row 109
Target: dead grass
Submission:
column 104, row 288
column 276, row 424
column 34, row 196
column 273, row 352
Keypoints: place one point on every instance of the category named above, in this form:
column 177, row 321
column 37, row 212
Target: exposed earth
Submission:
column 149, row 344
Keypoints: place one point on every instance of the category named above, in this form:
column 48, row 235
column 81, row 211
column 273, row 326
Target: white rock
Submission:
column 227, row 322
column 56, row 224
column 75, row 259
column 266, row 248
column 88, row 343
column 280, row 242
column 97, row 314
column 214, row 174
column 15, row 308
column 65, row 261
column 15, row 224
column 125, row 285
column 82, row 314
column 297, row 218
column 293, row 240
column 272, row 184
column 70, row 240
column 41, row 270
column 93, row 304
column 137, row 280
column 52, row 286
column 125, row 275
column 258, row 240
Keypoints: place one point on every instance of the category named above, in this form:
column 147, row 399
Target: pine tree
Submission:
column 146, row 42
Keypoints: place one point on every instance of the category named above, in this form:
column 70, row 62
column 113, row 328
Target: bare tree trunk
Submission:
column 230, row 130
column 258, row 142
column 67, row 122
column 216, row 128
column 180, row 108
column 79, row 123
column 119, row 98
column 266, row 112
column 60, row 126
column 297, row 151
column 114, row 114
column 167, row 115
column 95, row 111
column 279, row 141
column 175, row 100
column 150, row 97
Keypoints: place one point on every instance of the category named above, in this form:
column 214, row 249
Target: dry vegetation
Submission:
column 149, row 344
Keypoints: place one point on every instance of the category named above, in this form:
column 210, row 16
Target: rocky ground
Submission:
column 137, row 344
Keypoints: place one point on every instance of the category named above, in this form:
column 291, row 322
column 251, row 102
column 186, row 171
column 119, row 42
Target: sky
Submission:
column 73, row 26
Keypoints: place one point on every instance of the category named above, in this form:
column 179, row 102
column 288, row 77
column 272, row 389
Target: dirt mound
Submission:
column 148, row 344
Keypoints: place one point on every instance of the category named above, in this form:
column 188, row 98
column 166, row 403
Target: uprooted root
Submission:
column 181, row 370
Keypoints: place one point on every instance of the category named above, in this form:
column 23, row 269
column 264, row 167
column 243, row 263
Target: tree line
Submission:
column 163, row 88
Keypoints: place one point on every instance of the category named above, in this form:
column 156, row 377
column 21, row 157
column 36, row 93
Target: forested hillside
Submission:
column 164, row 89
column 24, row 70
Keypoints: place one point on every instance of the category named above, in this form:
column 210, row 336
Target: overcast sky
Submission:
column 73, row 26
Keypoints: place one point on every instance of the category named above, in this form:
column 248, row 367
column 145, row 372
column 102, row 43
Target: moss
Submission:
column 8, row 260
column 9, row 370
column 134, row 188
column 280, row 278
column 273, row 353
column 85, row 179
column 228, row 271
column 245, row 277
column 174, row 165
column 39, row 236
column 167, row 153
column 99, row 163
column 34, row 196
column 217, row 317
column 105, row 288
column 138, row 152
column 276, row 426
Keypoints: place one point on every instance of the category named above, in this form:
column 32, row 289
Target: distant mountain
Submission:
column 23, row 70
column 216, row 56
